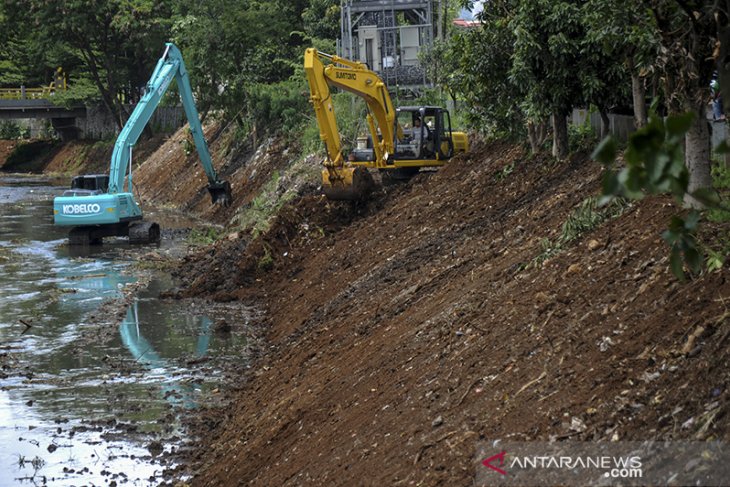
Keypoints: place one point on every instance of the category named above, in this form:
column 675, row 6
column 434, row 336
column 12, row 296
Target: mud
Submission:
column 97, row 368
column 402, row 333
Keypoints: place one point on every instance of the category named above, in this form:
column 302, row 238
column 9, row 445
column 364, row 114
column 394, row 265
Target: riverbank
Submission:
column 446, row 312
column 454, row 309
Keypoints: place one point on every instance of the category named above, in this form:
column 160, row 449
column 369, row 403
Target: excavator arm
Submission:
column 98, row 205
column 356, row 78
column 169, row 67
column 339, row 180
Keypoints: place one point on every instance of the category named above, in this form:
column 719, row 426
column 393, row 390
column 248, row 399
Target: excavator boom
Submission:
column 348, row 178
column 98, row 205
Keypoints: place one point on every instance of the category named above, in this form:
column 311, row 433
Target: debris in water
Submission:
column 27, row 324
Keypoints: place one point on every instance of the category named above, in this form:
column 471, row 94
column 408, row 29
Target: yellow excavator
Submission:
column 401, row 140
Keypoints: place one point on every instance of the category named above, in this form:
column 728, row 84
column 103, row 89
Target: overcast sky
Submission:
column 469, row 15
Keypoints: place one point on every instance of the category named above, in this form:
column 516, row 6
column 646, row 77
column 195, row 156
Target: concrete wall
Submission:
column 99, row 125
column 621, row 126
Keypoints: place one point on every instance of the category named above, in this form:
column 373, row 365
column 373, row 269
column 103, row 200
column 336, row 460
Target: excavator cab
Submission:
column 428, row 142
column 426, row 134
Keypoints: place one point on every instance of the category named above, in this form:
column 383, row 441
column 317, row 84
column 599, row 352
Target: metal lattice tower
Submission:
column 388, row 35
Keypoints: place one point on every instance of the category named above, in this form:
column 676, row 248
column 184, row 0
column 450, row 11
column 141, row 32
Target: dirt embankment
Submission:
column 405, row 331
column 174, row 177
column 6, row 148
column 71, row 158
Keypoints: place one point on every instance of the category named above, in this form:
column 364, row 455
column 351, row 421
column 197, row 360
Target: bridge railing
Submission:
column 44, row 92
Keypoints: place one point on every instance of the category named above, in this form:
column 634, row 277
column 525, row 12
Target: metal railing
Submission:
column 42, row 93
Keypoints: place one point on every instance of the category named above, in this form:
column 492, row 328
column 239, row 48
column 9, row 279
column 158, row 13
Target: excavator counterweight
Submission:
column 391, row 147
column 98, row 205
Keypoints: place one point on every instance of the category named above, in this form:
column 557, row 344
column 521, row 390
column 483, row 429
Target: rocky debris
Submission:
column 421, row 303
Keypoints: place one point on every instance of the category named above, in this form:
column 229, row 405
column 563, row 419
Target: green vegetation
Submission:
column 585, row 217
column 10, row 130
column 655, row 164
column 582, row 136
column 266, row 262
column 243, row 56
column 256, row 217
column 203, row 236
column 721, row 182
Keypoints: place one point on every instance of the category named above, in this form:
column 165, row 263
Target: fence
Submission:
column 621, row 126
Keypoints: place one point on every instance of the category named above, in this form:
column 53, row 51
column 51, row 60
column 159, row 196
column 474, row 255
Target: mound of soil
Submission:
column 6, row 148
column 405, row 331
column 72, row 158
column 174, row 177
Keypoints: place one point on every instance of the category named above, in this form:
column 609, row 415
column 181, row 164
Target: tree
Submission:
column 547, row 56
column 483, row 60
column 322, row 19
column 116, row 41
column 689, row 37
column 625, row 31
column 232, row 45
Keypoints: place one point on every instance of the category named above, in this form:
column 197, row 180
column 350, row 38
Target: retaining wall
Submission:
column 99, row 125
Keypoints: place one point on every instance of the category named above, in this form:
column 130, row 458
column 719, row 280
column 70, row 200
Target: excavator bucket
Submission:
column 220, row 193
column 347, row 183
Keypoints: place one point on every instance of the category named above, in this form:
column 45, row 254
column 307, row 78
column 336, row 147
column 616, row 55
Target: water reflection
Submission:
column 80, row 402
column 144, row 353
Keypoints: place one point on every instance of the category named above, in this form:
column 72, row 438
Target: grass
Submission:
column 256, row 218
column 585, row 217
column 721, row 182
column 266, row 262
column 258, row 215
column 717, row 246
column 203, row 236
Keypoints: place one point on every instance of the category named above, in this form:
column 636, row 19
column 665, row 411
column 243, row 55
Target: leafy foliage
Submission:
column 581, row 136
column 655, row 165
column 587, row 216
column 10, row 130
column 654, row 160
column 232, row 45
column 483, row 59
column 322, row 19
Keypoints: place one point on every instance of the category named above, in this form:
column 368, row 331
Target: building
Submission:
column 388, row 36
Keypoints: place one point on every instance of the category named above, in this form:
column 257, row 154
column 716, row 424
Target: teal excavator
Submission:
column 99, row 205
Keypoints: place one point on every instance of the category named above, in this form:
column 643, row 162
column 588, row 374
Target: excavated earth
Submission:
column 403, row 332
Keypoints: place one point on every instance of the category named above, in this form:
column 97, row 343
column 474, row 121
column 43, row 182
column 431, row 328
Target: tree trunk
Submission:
column 106, row 97
column 638, row 92
column 605, row 123
column 536, row 133
column 697, row 157
column 560, row 135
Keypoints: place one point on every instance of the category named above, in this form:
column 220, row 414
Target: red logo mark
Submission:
column 488, row 462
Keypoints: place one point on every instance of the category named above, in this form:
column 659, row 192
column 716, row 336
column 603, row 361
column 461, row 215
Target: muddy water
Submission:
column 81, row 402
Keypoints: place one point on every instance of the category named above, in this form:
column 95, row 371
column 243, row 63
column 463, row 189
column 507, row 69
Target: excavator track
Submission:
column 144, row 233
column 84, row 236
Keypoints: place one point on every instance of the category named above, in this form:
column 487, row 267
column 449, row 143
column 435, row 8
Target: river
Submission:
column 93, row 388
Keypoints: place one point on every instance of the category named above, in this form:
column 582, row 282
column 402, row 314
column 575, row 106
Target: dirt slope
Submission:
column 6, row 148
column 170, row 177
column 71, row 158
column 404, row 332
